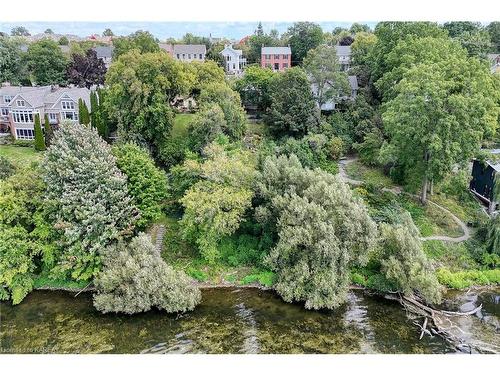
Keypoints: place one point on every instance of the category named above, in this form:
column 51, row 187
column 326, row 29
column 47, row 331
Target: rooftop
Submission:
column 343, row 50
column 276, row 51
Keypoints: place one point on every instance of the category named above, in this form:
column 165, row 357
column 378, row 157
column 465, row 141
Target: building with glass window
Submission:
column 19, row 104
column 276, row 58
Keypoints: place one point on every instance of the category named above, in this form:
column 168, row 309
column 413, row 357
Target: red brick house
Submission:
column 276, row 58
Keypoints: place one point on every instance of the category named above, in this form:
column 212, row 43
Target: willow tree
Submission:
column 404, row 262
column 135, row 278
column 439, row 116
column 321, row 230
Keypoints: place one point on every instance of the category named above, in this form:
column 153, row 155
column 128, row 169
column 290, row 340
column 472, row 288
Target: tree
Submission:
column 293, row 110
column 46, row 63
column 146, row 183
column 321, row 230
column 25, row 236
column 476, row 43
column 135, row 278
column 39, row 139
column 20, row 31
column 230, row 103
column 140, row 89
column 359, row 28
column 49, row 132
column 94, row 109
column 404, row 263
column 206, row 126
column 86, row 70
column 63, row 41
column 12, row 67
column 302, row 37
column 48, row 31
column 493, row 235
column 362, row 47
column 439, row 116
column 215, row 205
column 494, row 30
column 100, row 114
column 323, row 69
column 143, row 41
column 83, row 112
column 411, row 51
column 346, row 40
column 255, row 43
column 87, row 198
column 203, row 74
column 390, row 33
column 254, row 87
column 108, row 32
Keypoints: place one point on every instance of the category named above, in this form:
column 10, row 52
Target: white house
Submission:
column 330, row 104
column 234, row 62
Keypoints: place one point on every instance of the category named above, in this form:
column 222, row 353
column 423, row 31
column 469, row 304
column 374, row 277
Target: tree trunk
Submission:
column 423, row 197
column 431, row 187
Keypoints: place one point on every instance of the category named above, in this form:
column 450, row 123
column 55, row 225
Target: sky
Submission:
column 163, row 30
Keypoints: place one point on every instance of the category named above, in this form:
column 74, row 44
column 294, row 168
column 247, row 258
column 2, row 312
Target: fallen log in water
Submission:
column 438, row 322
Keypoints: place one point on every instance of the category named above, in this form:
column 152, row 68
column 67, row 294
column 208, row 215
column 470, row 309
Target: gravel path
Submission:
column 397, row 190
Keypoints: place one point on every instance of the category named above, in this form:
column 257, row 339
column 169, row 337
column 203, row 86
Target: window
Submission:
column 276, row 66
column 284, row 57
column 285, row 65
column 277, row 57
column 7, row 98
column 189, row 56
column 4, row 112
column 178, row 56
column 201, row 56
column 20, row 103
column 183, row 56
column 23, row 116
column 52, row 117
column 73, row 116
column 268, row 57
column 25, row 134
column 66, row 104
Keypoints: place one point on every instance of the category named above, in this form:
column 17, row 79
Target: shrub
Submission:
column 145, row 182
column 7, row 168
column 135, row 279
column 466, row 279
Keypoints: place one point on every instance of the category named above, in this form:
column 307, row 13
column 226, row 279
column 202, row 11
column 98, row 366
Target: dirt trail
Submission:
column 397, row 190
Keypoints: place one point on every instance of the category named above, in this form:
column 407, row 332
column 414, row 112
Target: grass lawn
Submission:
column 430, row 220
column 182, row 255
column 181, row 122
column 374, row 176
column 20, row 156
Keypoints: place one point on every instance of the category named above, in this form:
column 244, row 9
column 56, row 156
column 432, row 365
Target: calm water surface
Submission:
column 229, row 321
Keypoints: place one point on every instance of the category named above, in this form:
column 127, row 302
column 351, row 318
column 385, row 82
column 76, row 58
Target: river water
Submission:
column 234, row 321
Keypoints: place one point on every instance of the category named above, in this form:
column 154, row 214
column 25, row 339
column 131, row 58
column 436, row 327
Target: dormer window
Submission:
column 7, row 99
column 21, row 103
column 67, row 104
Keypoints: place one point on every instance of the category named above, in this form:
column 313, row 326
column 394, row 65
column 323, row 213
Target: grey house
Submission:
column 105, row 53
column 330, row 104
column 344, row 56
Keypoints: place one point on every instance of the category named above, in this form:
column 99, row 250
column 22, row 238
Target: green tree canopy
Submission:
column 302, row 37
column 87, row 197
column 140, row 89
column 46, row 63
column 254, row 87
column 320, row 229
column 292, row 111
column 214, row 206
column 143, row 41
column 439, row 116
column 404, row 262
column 323, row 69
column 135, row 278
column 146, row 183
column 12, row 67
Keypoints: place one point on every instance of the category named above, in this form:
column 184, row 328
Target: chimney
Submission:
column 54, row 88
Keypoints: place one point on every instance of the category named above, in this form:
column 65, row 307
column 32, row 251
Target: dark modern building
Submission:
column 483, row 181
